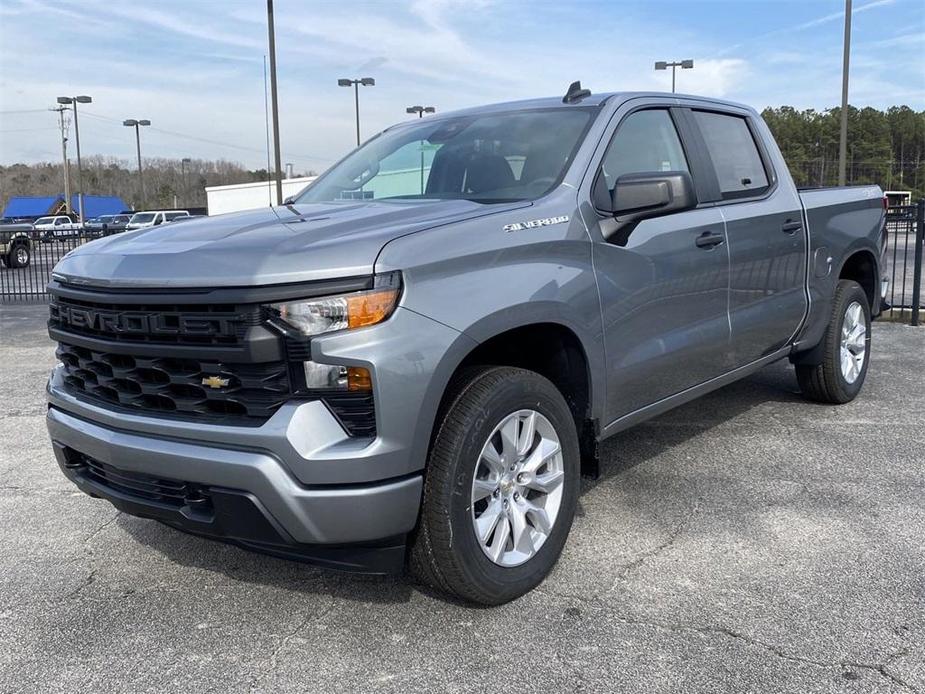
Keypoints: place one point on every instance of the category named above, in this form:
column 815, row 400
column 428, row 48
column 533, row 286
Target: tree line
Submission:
column 168, row 182
column 884, row 147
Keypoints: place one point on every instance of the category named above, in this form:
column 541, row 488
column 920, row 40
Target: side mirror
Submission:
column 289, row 201
column 639, row 196
column 644, row 195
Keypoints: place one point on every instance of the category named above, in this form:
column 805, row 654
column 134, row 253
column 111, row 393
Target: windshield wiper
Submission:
column 493, row 201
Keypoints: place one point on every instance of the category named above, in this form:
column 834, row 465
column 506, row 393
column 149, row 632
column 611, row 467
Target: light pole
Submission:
column 132, row 123
column 843, row 134
column 73, row 101
column 366, row 82
column 421, row 110
column 183, row 162
column 683, row 64
column 271, row 31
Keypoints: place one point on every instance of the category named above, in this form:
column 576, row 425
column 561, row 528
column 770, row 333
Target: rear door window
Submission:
column 736, row 160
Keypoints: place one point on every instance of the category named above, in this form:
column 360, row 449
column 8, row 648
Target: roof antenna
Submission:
column 575, row 93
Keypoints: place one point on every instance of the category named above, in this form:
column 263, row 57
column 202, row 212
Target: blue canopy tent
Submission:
column 31, row 208
column 27, row 207
column 95, row 205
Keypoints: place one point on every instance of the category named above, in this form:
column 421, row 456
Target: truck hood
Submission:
column 278, row 245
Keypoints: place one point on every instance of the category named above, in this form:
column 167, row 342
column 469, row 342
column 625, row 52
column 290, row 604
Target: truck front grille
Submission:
column 219, row 363
column 156, row 324
column 170, row 385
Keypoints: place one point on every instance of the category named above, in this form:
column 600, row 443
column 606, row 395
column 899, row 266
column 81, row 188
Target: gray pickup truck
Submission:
column 412, row 362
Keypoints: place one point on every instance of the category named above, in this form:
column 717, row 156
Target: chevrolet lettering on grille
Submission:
column 143, row 323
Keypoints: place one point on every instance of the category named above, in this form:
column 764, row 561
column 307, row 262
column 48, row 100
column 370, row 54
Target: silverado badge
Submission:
column 535, row 223
column 215, row 381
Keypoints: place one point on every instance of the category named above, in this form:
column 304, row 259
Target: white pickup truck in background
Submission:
column 55, row 226
column 142, row 220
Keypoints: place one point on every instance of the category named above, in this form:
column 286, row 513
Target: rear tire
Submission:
column 838, row 378
column 484, row 471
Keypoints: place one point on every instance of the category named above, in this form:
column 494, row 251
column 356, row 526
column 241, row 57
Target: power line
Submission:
column 206, row 140
column 29, row 130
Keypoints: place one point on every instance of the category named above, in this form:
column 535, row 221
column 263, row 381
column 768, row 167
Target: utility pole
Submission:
column 65, row 169
column 843, row 137
column 183, row 162
column 275, row 104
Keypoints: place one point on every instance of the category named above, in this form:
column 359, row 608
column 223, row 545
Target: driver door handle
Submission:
column 709, row 239
column 791, row 227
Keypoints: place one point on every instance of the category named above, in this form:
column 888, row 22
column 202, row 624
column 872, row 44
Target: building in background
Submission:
column 250, row 196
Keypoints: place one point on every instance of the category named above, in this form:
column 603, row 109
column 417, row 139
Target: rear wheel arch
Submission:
column 861, row 267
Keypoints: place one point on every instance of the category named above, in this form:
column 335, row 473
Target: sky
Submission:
column 195, row 68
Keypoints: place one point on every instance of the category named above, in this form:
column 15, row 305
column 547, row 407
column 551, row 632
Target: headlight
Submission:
column 326, row 314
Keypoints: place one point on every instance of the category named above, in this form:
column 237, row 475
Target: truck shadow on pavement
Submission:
column 775, row 384
column 619, row 454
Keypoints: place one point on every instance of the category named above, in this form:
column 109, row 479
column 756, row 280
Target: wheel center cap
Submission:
column 506, row 485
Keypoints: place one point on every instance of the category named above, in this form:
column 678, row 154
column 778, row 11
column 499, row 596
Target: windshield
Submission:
column 45, row 220
column 493, row 157
column 142, row 218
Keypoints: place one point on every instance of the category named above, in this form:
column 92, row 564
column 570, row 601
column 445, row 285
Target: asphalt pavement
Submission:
column 747, row 542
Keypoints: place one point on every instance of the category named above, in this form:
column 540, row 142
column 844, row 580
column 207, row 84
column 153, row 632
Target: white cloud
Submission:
column 197, row 68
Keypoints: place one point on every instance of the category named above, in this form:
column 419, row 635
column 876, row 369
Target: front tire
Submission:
column 19, row 256
column 839, row 376
column 501, row 487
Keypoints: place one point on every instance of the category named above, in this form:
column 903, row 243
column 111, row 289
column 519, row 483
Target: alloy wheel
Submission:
column 853, row 347
column 517, row 488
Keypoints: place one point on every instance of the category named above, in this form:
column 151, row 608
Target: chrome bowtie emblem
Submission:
column 215, row 382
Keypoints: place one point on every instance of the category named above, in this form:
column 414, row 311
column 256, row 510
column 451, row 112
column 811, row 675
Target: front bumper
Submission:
column 256, row 501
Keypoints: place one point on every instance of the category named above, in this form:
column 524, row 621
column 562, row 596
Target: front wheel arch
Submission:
column 554, row 351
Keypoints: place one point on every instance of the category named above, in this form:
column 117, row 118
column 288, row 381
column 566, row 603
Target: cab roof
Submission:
column 593, row 100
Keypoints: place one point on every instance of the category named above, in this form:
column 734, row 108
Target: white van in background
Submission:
column 142, row 220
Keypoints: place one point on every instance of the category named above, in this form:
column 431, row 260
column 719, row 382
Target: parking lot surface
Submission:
column 747, row 542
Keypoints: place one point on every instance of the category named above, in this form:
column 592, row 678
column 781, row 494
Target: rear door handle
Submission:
column 708, row 239
column 791, row 227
